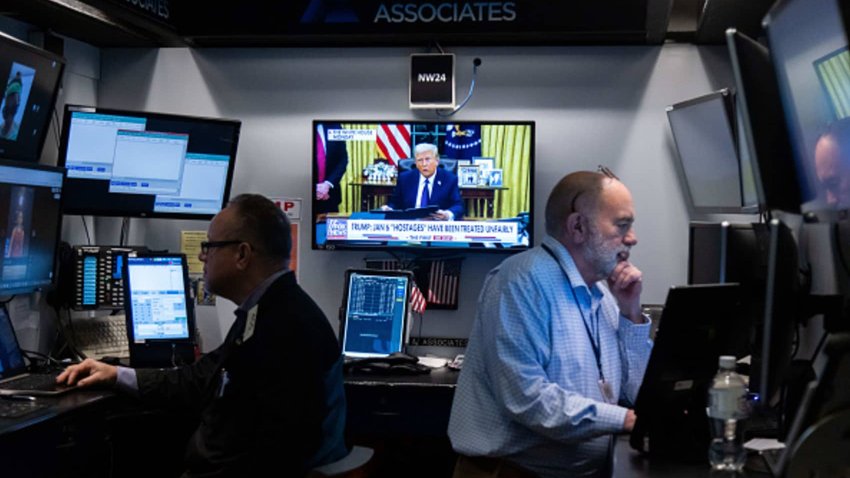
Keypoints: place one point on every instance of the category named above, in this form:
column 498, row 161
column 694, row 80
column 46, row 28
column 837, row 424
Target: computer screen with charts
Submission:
column 142, row 164
column 375, row 307
column 158, row 304
column 30, row 200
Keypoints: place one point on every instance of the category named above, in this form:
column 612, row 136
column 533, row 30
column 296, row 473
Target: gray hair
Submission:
column 425, row 147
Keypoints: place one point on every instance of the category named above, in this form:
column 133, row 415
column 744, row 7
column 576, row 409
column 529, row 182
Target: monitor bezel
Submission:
column 55, row 249
column 128, row 303
column 727, row 98
column 63, row 150
column 343, row 322
column 425, row 250
column 50, row 56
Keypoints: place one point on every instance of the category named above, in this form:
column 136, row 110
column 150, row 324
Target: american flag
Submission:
column 443, row 283
column 394, row 141
column 416, row 299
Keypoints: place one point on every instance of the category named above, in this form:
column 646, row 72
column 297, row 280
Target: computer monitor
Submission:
column 782, row 311
column 765, row 135
column 763, row 259
column 697, row 326
column 705, row 134
column 374, row 315
column 30, row 85
column 160, row 316
column 30, row 221
column 141, row 164
column 808, row 45
column 484, row 177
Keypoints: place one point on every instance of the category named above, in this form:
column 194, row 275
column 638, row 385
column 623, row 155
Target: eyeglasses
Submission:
column 604, row 170
column 607, row 172
column 207, row 245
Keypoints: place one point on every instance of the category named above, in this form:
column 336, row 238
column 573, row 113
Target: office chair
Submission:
column 353, row 465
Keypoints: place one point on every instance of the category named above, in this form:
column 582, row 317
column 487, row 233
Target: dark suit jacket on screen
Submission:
column 444, row 193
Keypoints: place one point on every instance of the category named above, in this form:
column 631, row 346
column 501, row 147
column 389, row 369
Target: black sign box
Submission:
column 432, row 81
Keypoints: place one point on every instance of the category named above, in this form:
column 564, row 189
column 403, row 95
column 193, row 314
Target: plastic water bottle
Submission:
column 727, row 408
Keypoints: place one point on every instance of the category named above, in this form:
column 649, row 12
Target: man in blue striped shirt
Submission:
column 559, row 345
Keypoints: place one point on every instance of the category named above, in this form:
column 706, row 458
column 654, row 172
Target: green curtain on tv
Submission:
column 360, row 155
column 834, row 74
column 511, row 146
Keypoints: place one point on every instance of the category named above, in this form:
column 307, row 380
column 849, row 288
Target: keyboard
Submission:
column 14, row 408
column 37, row 381
column 101, row 336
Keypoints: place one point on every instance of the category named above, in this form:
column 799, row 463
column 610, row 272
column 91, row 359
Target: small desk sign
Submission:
column 432, row 80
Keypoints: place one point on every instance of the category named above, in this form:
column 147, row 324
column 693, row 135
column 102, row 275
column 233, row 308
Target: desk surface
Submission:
column 61, row 405
column 439, row 377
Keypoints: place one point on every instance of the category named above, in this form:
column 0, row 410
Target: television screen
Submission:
column 423, row 185
column 705, row 134
column 30, row 78
column 140, row 164
column 809, row 49
column 30, row 197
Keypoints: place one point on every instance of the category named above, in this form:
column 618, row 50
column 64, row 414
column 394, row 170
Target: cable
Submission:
column 86, row 228
column 475, row 64
column 820, row 346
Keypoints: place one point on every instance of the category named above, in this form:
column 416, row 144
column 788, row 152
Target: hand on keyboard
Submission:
column 88, row 373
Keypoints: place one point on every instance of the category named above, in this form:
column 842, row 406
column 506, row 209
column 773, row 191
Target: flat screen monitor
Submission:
column 158, row 304
column 375, row 309
column 705, row 134
column 30, row 221
column 762, row 116
column 697, row 326
column 809, row 49
column 480, row 179
column 141, row 164
column 30, row 78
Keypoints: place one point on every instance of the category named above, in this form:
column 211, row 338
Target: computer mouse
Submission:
column 408, row 369
column 401, row 358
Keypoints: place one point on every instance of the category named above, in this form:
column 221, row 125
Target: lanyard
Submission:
column 595, row 344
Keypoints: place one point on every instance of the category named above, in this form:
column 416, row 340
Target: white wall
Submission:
column 592, row 105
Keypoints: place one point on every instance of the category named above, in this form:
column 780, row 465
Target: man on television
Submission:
column 559, row 345
column 271, row 395
column 331, row 163
column 428, row 185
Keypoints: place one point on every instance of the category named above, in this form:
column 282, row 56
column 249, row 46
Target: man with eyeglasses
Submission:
column 559, row 345
column 272, row 394
column 429, row 185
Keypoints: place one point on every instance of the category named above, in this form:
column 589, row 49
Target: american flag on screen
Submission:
column 443, row 283
column 394, row 142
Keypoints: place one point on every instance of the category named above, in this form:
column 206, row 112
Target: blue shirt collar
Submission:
column 565, row 260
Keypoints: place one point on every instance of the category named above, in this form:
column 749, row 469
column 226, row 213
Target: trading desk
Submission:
column 68, row 438
column 405, row 418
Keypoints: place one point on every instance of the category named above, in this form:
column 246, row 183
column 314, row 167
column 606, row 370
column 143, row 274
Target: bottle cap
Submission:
column 727, row 362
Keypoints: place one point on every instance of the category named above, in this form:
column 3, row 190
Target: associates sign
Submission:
column 400, row 21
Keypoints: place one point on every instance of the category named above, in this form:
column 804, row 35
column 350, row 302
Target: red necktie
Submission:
column 320, row 155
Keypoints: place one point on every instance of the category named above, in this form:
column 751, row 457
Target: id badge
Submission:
column 607, row 391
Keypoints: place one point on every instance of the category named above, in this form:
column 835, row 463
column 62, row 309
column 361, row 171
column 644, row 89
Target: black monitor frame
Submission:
column 425, row 247
column 58, row 227
column 763, row 118
column 727, row 99
column 44, row 113
column 160, row 352
column 405, row 320
column 133, row 205
column 697, row 326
